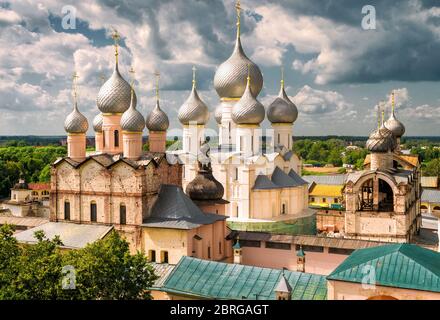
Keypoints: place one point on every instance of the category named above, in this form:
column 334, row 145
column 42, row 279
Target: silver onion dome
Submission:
column 381, row 140
column 282, row 109
column 76, row 122
column 230, row 77
column 395, row 126
column 193, row 110
column 115, row 94
column 157, row 120
column 97, row 123
column 132, row 120
column 218, row 113
column 248, row 110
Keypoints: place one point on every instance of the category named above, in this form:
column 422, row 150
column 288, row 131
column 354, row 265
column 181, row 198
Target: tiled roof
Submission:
column 73, row 235
column 405, row 266
column 333, row 179
column 432, row 196
column 326, row 190
column 174, row 209
column 218, row 280
column 162, row 270
column 429, row 182
column 39, row 186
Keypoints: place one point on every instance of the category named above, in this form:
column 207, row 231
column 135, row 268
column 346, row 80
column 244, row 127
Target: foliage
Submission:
column 432, row 168
column 103, row 270
column 33, row 163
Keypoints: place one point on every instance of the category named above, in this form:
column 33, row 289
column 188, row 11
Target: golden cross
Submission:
column 132, row 76
column 116, row 38
column 392, row 101
column 74, row 82
column 157, row 74
column 238, row 9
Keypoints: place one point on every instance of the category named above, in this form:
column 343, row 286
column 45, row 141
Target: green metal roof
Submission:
column 218, row 280
column 398, row 265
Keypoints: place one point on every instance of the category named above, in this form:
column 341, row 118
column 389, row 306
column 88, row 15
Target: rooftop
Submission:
column 432, row 196
column 332, row 179
column 279, row 179
column 73, row 235
column 218, row 280
column 326, row 190
column 405, row 266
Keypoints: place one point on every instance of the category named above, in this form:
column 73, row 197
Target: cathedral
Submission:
column 259, row 172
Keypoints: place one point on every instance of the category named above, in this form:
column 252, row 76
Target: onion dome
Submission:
column 282, row 109
column 132, row 120
column 381, row 140
column 394, row 125
column 76, row 122
column 248, row 110
column 193, row 110
column 230, row 77
column 218, row 113
column 157, row 120
column 115, row 94
column 21, row 185
column 97, row 123
column 205, row 187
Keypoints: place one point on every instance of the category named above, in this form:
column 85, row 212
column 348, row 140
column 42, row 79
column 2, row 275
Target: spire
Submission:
column 132, row 72
column 116, row 38
column 238, row 9
column 194, row 77
column 74, row 90
column 282, row 77
column 157, row 74
column 392, row 102
column 379, row 108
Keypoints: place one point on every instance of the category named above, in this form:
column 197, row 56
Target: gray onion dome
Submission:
column 205, row 187
column 282, row 109
column 218, row 113
column 381, row 140
column 76, row 122
column 395, row 126
column 97, row 123
column 193, row 110
column 248, row 110
column 132, row 120
column 230, row 77
column 157, row 120
column 115, row 94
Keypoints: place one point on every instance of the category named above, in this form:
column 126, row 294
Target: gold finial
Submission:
column 194, row 77
column 238, row 9
column 249, row 74
column 74, row 87
column 282, row 77
column 392, row 101
column 116, row 38
column 157, row 74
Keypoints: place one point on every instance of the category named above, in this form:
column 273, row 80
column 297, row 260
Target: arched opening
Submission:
column 66, row 210
column 122, row 214
column 366, row 196
column 386, row 196
column 423, row 208
column 382, row 297
column 93, row 212
column 436, row 208
column 116, row 138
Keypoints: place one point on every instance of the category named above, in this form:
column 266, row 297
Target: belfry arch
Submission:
column 375, row 193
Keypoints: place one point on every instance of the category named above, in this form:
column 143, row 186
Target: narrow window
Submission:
column 93, row 212
column 241, row 143
column 324, row 200
column 236, row 173
column 122, row 214
column 252, row 144
column 220, row 248
column 237, row 211
column 66, row 210
column 336, row 200
column 152, row 255
column 164, row 256
column 279, row 138
column 209, row 252
column 103, row 139
column 284, row 209
column 116, row 138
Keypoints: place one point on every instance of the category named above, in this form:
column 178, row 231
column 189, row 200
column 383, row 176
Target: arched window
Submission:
column 436, row 208
column 66, row 210
column 236, row 173
column 93, row 212
column 283, row 210
column 122, row 214
column 116, row 138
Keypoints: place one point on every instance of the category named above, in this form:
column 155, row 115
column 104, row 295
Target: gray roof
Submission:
column 283, row 285
column 429, row 195
column 334, row 179
column 279, row 180
column 73, row 235
column 174, row 209
column 162, row 270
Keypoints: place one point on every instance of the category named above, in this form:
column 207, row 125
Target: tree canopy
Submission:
column 104, row 269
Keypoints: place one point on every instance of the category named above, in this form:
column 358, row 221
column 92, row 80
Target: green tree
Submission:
column 432, row 168
column 45, row 174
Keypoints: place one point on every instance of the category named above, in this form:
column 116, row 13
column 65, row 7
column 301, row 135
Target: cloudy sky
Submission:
column 336, row 71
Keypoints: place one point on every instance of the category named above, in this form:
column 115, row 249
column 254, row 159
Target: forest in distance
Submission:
column 30, row 157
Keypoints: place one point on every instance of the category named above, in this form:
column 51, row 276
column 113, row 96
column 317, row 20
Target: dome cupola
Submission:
column 76, row 122
column 97, row 123
column 218, row 113
column 193, row 110
column 248, row 110
column 282, row 109
column 157, row 119
column 132, row 120
column 230, row 77
column 381, row 140
column 115, row 94
column 392, row 124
